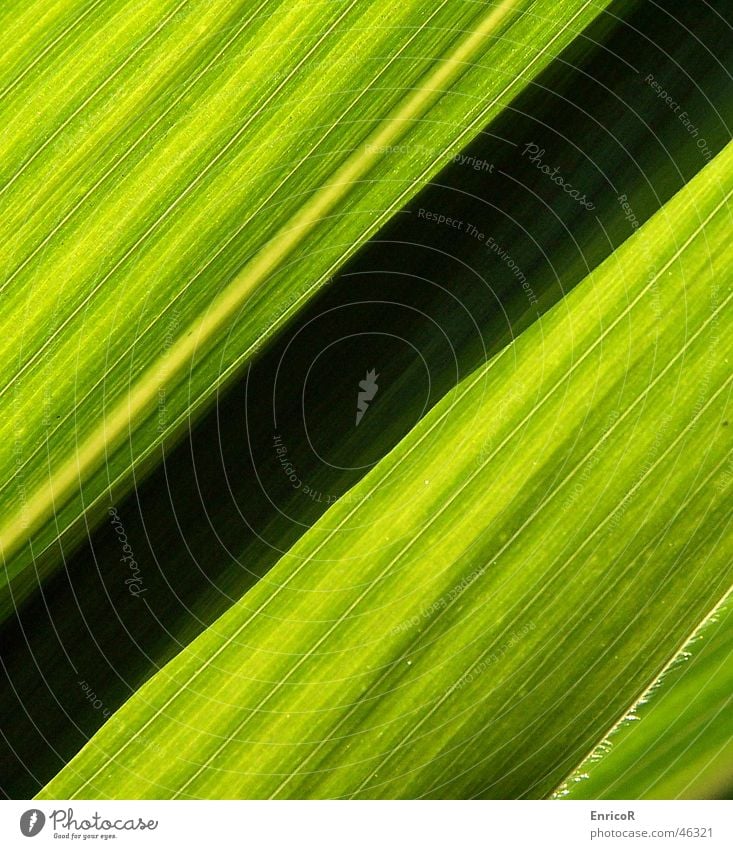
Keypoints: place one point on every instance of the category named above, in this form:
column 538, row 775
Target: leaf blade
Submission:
column 678, row 745
column 525, row 586
column 148, row 396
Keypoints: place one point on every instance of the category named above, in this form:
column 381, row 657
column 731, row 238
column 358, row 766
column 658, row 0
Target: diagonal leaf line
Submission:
column 7, row 740
column 409, row 650
column 193, row 79
column 181, row 196
column 575, row 365
column 706, row 720
column 689, row 427
column 481, row 374
column 649, row 471
column 558, row 487
column 682, row 645
column 658, row 537
column 369, row 231
column 683, row 505
column 226, row 242
column 344, row 615
column 123, row 414
column 59, row 38
column 224, row 307
column 96, row 91
column 417, row 101
column 623, row 713
column 258, row 753
column 574, row 554
column 705, row 481
column 419, row 643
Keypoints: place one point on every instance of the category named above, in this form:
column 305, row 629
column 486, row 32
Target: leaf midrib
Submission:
column 113, row 427
column 470, row 384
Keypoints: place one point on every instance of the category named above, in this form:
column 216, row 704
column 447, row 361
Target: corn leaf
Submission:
column 196, row 554
column 165, row 164
column 503, row 587
column 677, row 743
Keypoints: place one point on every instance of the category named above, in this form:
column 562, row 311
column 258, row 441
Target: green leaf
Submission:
column 677, row 744
column 500, row 590
column 196, row 554
column 195, row 172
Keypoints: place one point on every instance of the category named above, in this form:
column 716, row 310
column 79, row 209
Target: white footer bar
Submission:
column 366, row 825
